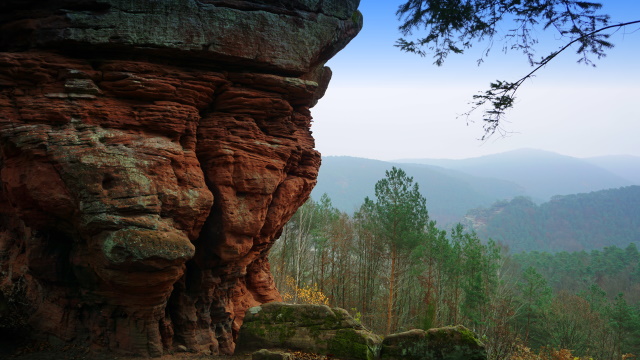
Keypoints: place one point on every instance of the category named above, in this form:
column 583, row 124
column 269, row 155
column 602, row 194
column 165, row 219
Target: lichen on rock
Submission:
column 150, row 153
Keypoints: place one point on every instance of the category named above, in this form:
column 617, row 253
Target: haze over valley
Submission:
column 453, row 188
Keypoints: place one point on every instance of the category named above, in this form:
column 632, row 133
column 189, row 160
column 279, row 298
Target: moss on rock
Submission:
column 320, row 329
column 310, row 328
column 447, row 343
column 354, row 344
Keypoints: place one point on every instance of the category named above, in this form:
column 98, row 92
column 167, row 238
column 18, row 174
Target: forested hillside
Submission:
column 395, row 269
column 566, row 223
column 613, row 269
column 586, row 301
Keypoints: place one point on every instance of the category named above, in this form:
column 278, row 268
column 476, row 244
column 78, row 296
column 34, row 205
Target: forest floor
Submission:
column 74, row 353
column 13, row 348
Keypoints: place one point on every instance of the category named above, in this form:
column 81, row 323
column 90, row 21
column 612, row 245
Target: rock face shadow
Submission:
column 150, row 153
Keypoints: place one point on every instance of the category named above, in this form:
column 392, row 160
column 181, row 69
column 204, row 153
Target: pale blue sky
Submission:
column 385, row 104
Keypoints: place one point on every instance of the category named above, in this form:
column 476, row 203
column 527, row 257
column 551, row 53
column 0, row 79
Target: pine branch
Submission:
column 501, row 94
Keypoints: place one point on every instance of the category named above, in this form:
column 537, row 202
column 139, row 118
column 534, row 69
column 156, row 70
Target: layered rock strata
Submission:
column 150, row 152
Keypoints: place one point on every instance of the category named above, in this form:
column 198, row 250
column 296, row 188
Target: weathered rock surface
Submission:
column 150, row 152
column 310, row 328
column 447, row 343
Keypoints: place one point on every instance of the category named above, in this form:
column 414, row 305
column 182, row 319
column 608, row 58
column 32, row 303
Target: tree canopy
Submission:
column 400, row 210
column 452, row 26
column 534, row 306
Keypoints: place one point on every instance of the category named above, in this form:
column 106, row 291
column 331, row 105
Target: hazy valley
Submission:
column 468, row 190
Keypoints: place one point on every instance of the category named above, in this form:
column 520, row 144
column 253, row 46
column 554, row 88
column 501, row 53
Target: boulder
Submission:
column 447, row 343
column 309, row 328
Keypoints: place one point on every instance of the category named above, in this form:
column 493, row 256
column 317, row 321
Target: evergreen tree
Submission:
column 623, row 320
column 535, row 296
column 399, row 218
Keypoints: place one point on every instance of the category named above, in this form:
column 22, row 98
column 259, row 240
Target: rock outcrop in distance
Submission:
column 150, row 152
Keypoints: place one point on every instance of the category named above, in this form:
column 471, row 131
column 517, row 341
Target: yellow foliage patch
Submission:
column 307, row 294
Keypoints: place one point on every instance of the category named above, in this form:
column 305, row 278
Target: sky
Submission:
column 385, row 104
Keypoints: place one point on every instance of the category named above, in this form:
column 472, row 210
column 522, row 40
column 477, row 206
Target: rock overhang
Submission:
column 290, row 37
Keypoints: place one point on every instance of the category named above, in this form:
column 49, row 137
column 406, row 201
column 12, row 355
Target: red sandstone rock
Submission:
column 150, row 152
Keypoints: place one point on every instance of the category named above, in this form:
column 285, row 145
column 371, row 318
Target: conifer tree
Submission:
column 535, row 296
column 399, row 218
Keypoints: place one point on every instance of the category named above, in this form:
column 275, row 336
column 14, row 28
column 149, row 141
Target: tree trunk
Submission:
column 392, row 280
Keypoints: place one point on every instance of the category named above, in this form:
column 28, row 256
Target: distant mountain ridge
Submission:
column 625, row 166
column 544, row 174
column 450, row 194
column 453, row 187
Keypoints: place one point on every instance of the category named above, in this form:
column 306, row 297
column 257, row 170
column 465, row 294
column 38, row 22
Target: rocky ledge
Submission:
column 150, row 152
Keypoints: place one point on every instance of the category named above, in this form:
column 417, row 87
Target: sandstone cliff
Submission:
column 150, row 152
